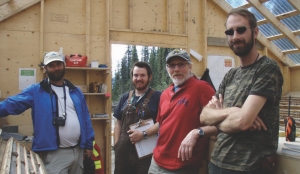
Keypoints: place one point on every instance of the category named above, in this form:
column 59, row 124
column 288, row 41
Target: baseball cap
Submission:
column 52, row 56
column 178, row 53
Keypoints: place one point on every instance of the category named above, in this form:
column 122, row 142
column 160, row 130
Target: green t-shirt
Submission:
column 243, row 151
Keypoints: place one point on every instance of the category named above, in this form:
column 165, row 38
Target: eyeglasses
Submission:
column 180, row 65
column 239, row 30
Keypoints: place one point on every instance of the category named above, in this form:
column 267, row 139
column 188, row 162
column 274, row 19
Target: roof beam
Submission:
column 288, row 14
column 246, row 6
column 280, row 26
column 295, row 4
column 262, row 1
column 296, row 32
column 3, row 1
column 13, row 7
column 261, row 38
column 279, row 36
column 291, row 51
column 262, row 22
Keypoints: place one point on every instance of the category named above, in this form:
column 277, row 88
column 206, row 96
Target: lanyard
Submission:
column 64, row 114
column 133, row 96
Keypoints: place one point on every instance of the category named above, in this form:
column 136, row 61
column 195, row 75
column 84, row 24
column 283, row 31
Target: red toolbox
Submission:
column 76, row 60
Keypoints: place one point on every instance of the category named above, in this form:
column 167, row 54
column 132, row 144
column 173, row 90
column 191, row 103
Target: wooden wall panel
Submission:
column 20, row 50
column 215, row 21
column 177, row 16
column 27, row 20
column 98, row 17
column 148, row 15
column 89, row 26
column 197, row 38
column 285, row 73
column 148, row 39
column 72, row 44
column 119, row 14
column 98, row 50
column 295, row 82
column 66, row 16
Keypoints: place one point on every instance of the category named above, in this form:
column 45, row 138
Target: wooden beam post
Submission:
column 3, row 1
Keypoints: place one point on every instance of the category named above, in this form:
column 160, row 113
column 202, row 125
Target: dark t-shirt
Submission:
column 153, row 104
column 243, row 151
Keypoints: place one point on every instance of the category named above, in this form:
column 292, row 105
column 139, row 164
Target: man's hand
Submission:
column 88, row 154
column 185, row 150
column 258, row 124
column 135, row 136
column 215, row 102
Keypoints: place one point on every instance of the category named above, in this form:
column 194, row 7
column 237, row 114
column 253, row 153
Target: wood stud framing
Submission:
column 273, row 20
column 261, row 38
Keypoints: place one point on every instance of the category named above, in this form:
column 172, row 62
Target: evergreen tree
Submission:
column 134, row 56
column 116, row 86
column 124, row 73
column 152, row 63
column 145, row 54
column 157, row 61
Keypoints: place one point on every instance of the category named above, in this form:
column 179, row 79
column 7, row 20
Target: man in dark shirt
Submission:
column 141, row 103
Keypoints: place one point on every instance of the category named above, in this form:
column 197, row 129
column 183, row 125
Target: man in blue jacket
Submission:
column 61, row 120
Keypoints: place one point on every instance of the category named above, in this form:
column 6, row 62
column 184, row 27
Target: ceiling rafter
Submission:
column 261, row 38
column 3, row 1
column 295, row 4
column 13, row 7
column 291, row 51
column 287, row 15
column 245, row 6
column 276, row 23
column 263, row 1
column 262, row 22
column 296, row 32
column 279, row 36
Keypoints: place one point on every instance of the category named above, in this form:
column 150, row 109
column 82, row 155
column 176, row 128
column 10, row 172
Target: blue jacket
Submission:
column 37, row 97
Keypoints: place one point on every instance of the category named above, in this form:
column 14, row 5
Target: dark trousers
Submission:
column 213, row 169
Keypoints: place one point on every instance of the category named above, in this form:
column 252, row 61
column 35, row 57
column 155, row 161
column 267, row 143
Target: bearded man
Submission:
column 246, row 106
column 140, row 103
column 182, row 142
column 60, row 116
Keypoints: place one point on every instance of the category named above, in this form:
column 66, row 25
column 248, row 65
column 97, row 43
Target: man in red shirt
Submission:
column 182, row 142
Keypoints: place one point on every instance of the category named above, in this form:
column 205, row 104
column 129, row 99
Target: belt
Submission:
column 71, row 147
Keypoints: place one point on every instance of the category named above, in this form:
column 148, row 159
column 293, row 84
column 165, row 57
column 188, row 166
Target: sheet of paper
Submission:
column 146, row 146
column 27, row 77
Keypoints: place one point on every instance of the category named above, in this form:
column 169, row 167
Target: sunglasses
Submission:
column 239, row 30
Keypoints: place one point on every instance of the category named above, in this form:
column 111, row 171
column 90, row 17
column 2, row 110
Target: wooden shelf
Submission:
column 88, row 68
column 106, row 118
column 96, row 102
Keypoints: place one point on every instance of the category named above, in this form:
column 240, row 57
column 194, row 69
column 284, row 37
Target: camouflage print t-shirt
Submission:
column 243, row 151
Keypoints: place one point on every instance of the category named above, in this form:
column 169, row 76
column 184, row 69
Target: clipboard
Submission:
column 145, row 147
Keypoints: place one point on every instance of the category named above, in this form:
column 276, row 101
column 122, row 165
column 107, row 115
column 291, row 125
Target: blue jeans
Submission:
column 213, row 169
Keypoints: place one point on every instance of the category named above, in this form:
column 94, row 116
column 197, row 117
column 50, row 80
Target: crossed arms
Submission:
column 234, row 119
column 229, row 120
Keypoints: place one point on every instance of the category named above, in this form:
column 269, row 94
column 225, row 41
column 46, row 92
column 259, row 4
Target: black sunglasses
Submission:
column 239, row 30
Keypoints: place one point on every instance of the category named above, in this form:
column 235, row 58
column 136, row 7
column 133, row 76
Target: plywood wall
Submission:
column 88, row 27
column 295, row 80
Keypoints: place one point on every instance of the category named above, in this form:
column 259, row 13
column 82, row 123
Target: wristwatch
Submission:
column 201, row 132
column 145, row 134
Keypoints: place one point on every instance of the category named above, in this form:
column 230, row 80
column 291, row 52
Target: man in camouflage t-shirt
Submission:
column 247, row 111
